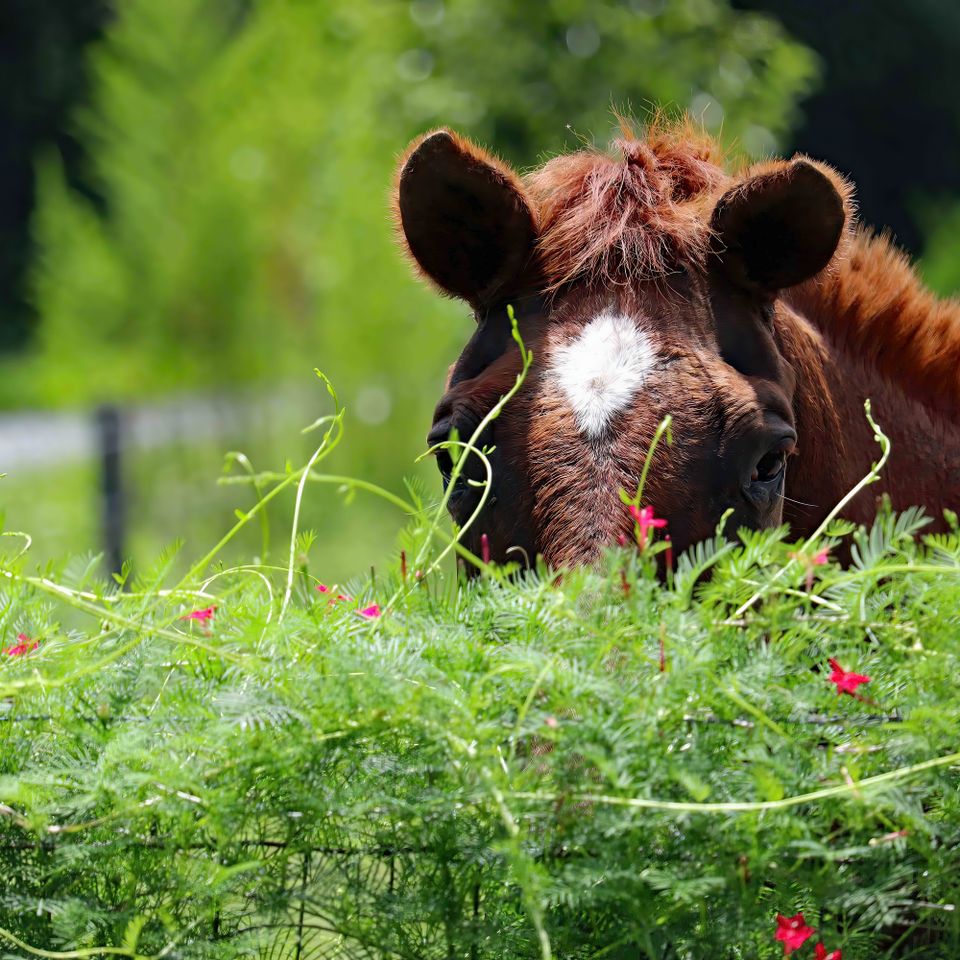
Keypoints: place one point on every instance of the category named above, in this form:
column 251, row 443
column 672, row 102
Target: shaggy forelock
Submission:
column 634, row 216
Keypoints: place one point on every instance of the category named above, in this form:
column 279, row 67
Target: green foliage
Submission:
column 243, row 155
column 940, row 261
column 601, row 765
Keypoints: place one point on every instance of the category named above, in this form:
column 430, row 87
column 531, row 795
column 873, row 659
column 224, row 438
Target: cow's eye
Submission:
column 770, row 466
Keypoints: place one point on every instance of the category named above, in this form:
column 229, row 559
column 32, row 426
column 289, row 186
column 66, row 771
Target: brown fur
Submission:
column 631, row 217
column 873, row 306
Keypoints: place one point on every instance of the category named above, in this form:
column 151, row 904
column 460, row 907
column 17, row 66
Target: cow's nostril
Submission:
column 439, row 432
column 445, row 464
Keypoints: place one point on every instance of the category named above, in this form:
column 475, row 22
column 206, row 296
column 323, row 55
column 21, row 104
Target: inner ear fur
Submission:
column 464, row 217
column 782, row 225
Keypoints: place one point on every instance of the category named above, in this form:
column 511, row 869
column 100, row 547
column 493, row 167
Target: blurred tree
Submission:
column 42, row 45
column 886, row 113
column 244, row 152
column 941, row 258
column 536, row 78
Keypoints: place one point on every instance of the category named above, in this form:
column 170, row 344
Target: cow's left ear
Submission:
column 464, row 217
column 782, row 226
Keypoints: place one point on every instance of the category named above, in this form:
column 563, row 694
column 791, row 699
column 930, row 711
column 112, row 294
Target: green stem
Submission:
column 662, row 428
column 641, row 803
column 872, row 477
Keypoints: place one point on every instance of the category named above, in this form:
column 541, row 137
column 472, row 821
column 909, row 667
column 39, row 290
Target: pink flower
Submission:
column 368, row 613
column 201, row 616
column 646, row 520
column 24, row 646
column 818, row 559
column 820, row 953
column 793, row 932
column 552, row 722
column 847, row 682
column 334, row 597
column 484, row 548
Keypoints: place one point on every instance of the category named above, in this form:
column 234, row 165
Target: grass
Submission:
column 594, row 766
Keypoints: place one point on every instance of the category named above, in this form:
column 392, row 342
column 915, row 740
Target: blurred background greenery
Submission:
column 195, row 204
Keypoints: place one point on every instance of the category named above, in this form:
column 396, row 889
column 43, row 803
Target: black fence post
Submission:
column 112, row 502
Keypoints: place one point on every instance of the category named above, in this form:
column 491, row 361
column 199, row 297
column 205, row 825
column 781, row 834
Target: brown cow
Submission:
column 655, row 282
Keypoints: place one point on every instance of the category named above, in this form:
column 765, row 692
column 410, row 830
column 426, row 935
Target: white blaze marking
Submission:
column 602, row 369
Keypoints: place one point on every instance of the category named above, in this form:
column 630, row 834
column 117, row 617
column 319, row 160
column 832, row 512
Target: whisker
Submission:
column 799, row 502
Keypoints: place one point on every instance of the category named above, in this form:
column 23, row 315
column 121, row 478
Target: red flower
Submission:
column 646, row 521
column 847, row 682
column 793, row 932
column 484, row 548
column 24, row 646
column 820, row 558
column 201, row 616
column 370, row 613
column 820, row 953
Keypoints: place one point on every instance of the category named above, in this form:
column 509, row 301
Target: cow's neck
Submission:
column 836, row 442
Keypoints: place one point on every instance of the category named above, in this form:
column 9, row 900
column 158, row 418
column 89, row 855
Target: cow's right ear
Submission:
column 464, row 218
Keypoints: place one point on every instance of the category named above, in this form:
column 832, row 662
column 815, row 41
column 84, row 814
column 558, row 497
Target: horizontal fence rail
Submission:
column 35, row 439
